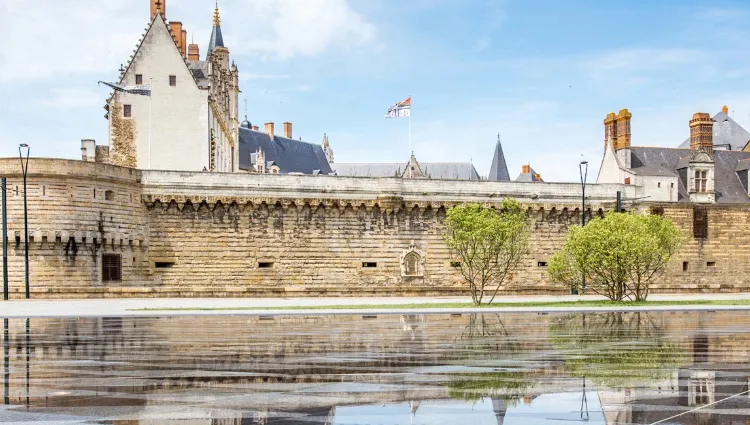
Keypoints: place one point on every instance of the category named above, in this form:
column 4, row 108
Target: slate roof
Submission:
column 217, row 40
column 199, row 69
column 433, row 170
column 291, row 156
column 648, row 161
column 529, row 177
column 499, row 169
column 727, row 134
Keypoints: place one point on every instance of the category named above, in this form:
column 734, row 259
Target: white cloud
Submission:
column 287, row 28
column 49, row 39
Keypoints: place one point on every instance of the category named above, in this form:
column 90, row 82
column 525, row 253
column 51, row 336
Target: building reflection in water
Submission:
column 334, row 369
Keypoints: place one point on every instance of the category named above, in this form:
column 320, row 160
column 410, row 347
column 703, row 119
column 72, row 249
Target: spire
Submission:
column 499, row 169
column 217, row 40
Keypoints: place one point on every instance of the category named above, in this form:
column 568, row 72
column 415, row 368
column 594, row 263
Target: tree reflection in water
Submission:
column 616, row 349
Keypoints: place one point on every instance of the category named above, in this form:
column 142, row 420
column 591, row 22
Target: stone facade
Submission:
column 215, row 234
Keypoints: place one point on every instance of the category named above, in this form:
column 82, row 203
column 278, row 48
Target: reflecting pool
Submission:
column 470, row 369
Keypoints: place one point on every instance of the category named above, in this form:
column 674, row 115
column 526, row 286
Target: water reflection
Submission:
column 608, row 368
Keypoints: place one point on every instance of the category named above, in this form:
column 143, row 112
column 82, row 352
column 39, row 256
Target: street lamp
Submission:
column 583, row 170
column 24, row 170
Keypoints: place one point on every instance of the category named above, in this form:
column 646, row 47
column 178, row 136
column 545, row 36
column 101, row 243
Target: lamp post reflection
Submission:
column 28, row 360
column 24, row 170
column 6, row 351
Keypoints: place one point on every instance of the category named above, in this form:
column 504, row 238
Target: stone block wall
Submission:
column 216, row 235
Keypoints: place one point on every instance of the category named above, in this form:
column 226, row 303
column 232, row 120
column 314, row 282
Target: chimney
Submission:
column 269, row 129
column 526, row 169
column 158, row 5
column 88, row 150
column 184, row 44
column 176, row 29
column 288, row 130
column 610, row 129
column 255, row 127
column 725, row 109
column 537, row 177
column 194, row 52
column 623, row 130
column 702, row 133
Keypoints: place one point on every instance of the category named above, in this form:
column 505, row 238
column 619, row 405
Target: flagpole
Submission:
column 410, row 151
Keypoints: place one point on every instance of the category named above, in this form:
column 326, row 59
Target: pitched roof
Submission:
column 217, row 40
column 666, row 161
column 727, row 134
column 499, row 169
column 291, row 156
column 432, row 170
column 531, row 176
column 199, row 69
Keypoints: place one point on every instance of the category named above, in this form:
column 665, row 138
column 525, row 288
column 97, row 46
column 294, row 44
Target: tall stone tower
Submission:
column 702, row 133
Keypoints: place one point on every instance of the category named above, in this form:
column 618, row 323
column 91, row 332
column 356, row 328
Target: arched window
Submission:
column 411, row 264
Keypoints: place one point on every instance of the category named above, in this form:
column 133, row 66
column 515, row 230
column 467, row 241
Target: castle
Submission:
column 200, row 204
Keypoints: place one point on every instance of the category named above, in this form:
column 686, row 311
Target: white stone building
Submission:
column 710, row 167
column 189, row 122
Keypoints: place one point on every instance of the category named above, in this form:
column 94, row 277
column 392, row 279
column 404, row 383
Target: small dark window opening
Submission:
column 172, row 80
column 162, row 264
column 139, row 78
column 658, row 184
column 111, row 268
column 711, row 264
column 657, row 210
column 44, row 190
column 455, row 264
column 265, row 265
column 109, row 195
column 16, row 190
column 685, row 266
column 671, row 185
column 700, row 223
column 369, row 316
column 94, row 193
column 542, row 264
column 369, row 265
column 127, row 111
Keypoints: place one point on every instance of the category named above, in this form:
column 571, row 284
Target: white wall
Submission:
column 179, row 134
column 657, row 188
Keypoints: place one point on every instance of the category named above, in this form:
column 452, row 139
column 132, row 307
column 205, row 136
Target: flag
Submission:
column 401, row 109
column 143, row 90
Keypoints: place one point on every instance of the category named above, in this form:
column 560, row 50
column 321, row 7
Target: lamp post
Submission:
column 24, row 170
column 583, row 170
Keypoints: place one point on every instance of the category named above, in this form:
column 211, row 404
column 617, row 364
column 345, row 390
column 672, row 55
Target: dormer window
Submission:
column 701, row 178
column 139, row 79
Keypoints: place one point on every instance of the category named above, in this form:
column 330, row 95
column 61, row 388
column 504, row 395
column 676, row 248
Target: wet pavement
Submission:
column 469, row 369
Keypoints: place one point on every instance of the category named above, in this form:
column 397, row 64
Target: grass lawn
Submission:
column 587, row 304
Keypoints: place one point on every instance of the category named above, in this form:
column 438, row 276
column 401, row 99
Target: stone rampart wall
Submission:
column 213, row 234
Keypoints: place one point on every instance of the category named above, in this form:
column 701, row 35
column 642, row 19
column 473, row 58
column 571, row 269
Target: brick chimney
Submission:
column 526, row 169
column 702, row 132
column 176, row 29
column 269, row 129
column 725, row 109
column 158, row 5
column 610, row 127
column 623, row 130
column 194, row 52
column 184, row 44
column 288, row 130
column 255, row 127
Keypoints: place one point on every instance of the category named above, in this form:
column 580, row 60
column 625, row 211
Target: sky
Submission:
column 542, row 74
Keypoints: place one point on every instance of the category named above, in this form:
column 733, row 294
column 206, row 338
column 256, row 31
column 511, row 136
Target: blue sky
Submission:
column 543, row 74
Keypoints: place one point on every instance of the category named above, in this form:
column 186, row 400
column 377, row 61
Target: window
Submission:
column 455, row 264
column 685, row 266
column 658, row 184
column 627, row 180
column 127, row 111
column 369, row 265
column 162, row 264
column 657, row 210
column 541, row 263
column 411, row 264
column 711, row 264
column 265, row 265
column 109, row 195
column 139, row 79
column 700, row 180
column 111, row 268
column 172, row 80
column 700, row 223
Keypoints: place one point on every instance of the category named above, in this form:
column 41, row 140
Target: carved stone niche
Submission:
column 412, row 262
